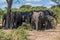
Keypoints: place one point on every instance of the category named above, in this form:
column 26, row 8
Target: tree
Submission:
column 25, row 8
column 57, row 2
column 9, row 18
column 38, row 8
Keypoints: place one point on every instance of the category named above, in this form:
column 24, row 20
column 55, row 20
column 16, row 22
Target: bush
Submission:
column 15, row 34
column 26, row 26
column 20, row 34
column 2, row 35
column 57, row 11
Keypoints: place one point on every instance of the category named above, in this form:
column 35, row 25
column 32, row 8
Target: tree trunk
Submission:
column 8, row 18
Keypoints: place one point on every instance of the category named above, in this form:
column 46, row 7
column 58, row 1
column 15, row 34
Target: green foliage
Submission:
column 26, row 26
column 57, row 11
column 38, row 8
column 0, row 17
column 22, row 9
column 30, row 8
column 1, row 11
column 25, row 8
column 16, row 34
column 14, row 9
column 22, row 34
column 1, row 35
column 5, row 11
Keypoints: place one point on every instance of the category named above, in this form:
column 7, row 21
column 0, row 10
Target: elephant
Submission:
column 4, row 20
column 26, row 16
column 49, row 21
column 51, row 16
column 37, row 17
column 51, row 13
column 17, row 19
column 29, row 17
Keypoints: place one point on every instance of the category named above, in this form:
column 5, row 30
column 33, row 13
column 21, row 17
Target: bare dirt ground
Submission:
column 52, row 34
column 35, row 35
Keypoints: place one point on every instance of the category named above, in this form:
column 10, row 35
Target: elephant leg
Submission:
column 32, row 23
column 39, row 25
column 45, row 25
column 15, row 24
column 49, row 25
column 3, row 22
column 36, row 23
column 6, row 25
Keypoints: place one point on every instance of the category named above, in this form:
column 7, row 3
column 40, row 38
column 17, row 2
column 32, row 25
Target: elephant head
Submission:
column 51, row 13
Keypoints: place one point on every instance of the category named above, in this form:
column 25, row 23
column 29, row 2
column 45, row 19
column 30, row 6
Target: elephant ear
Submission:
column 56, row 19
column 54, row 23
column 55, row 16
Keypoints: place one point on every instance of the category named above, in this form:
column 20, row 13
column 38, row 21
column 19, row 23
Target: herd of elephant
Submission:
column 39, row 19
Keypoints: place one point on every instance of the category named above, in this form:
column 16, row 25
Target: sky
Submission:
column 45, row 3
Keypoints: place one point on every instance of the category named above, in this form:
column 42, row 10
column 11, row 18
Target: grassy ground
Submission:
column 15, row 34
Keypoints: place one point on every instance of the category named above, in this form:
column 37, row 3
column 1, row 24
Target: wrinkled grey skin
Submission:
column 26, row 16
column 36, row 19
column 49, row 20
column 17, row 19
column 51, row 13
column 49, row 17
column 52, row 16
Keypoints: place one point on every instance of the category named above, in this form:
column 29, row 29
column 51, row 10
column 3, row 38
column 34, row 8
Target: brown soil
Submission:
column 52, row 34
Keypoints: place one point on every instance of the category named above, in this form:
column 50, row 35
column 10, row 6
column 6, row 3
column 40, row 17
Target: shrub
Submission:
column 26, row 26
column 2, row 35
column 20, row 34
column 57, row 11
column 15, row 34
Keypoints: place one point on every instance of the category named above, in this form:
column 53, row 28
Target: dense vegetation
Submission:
column 15, row 34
